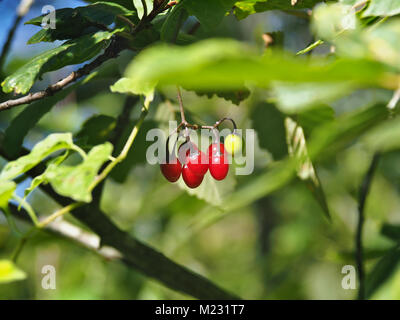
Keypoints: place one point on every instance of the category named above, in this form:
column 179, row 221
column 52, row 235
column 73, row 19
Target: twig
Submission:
column 394, row 100
column 310, row 47
column 123, row 121
column 67, row 230
column 111, row 52
column 23, row 8
column 364, row 189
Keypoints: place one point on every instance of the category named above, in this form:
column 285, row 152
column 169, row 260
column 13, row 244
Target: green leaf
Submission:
column 173, row 23
column 268, row 122
column 74, row 22
column 7, row 189
column 38, row 180
column 315, row 117
column 294, row 98
column 246, row 7
column 128, row 85
column 40, row 151
column 209, row 12
column 226, row 64
column 71, row 52
column 9, row 272
column 382, row 271
column 235, row 96
column 391, row 231
column 385, row 137
column 96, row 130
column 382, row 8
column 74, row 181
column 29, row 117
column 101, row 12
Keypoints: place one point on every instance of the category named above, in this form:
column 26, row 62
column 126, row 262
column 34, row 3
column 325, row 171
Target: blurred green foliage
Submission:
column 262, row 236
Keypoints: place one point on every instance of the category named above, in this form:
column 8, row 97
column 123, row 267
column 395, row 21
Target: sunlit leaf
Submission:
column 7, row 189
column 9, row 272
column 40, row 151
column 71, row 52
column 382, row 8
column 209, row 12
column 74, row 181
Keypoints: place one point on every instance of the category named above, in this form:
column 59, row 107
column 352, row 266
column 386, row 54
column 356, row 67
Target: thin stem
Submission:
column 310, row 47
column 124, row 151
column 183, row 119
column 59, row 213
column 21, row 244
column 129, row 22
column 80, row 151
column 364, row 189
column 28, row 209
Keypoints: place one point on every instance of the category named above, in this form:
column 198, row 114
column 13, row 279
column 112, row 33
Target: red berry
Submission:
column 171, row 170
column 194, row 158
column 192, row 180
column 217, row 155
column 197, row 162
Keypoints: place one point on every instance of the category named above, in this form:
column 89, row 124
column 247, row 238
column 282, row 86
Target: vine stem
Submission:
column 359, row 256
column 125, row 149
column 310, row 47
column 183, row 119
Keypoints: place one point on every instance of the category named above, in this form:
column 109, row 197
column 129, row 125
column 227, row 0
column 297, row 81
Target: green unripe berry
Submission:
column 233, row 143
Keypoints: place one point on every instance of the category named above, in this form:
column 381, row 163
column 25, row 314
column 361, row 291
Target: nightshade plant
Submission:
column 158, row 47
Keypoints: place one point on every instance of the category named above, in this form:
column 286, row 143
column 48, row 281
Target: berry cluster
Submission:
column 193, row 164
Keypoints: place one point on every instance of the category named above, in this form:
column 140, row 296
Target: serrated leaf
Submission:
column 382, row 271
column 209, row 12
column 9, row 272
column 74, row 23
column 382, row 8
column 226, row 64
column 40, row 151
column 235, row 96
column 297, row 148
column 246, row 7
column 71, row 52
column 7, row 189
column 38, row 180
column 74, row 181
column 128, row 85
